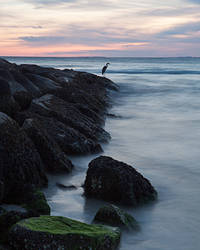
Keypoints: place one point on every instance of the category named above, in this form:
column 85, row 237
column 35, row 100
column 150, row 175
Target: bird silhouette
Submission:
column 105, row 68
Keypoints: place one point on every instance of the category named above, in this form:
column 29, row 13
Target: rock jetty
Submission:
column 47, row 114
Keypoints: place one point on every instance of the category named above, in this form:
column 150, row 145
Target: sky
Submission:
column 146, row 28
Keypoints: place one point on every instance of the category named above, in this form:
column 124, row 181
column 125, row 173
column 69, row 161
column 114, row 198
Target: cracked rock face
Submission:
column 115, row 181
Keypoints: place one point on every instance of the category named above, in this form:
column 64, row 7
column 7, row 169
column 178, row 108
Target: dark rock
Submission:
column 114, row 216
column 53, row 158
column 35, row 202
column 113, row 116
column 20, row 162
column 5, row 88
column 26, row 83
column 62, row 186
column 69, row 139
column 2, row 211
column 78, row 96
column 7, row 103
column 52, row 232
column 116, row 181
column 4, row 63
column 71, row 116
column 7, row 220
column 1, row 189
column 23, row 98
column 14, row 86
column 85, row 110
column 44, row 84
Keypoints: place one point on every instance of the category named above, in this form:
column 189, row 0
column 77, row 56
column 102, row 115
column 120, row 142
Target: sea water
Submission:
column 157, row 131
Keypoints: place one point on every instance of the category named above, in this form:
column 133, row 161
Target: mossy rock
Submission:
column 114, row 216
column 38, row 203
column 54, row 232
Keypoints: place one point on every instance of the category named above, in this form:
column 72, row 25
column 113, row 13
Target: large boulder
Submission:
column 52, row 232
column 114, row 216
column 112, row 180
column 52, row 156
column 20, row 163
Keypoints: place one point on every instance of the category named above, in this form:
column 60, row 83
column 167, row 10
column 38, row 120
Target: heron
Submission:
column 105, row 68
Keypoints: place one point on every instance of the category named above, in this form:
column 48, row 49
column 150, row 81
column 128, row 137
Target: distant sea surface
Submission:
column 157, row 132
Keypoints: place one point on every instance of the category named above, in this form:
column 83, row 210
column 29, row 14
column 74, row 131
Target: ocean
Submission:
column 157, row 131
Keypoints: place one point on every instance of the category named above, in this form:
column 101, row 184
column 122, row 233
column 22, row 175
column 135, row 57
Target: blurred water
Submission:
column 158, row 133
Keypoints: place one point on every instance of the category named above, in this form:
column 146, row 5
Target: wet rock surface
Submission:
column 114, row 216
column 115, row 181
column 52, row 232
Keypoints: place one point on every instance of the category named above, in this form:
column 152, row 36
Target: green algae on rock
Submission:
column 114, row 216
column 38, row 203
column 55, row 232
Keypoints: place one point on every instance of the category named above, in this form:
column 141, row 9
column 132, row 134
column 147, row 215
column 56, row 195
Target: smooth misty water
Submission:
column 158, row 133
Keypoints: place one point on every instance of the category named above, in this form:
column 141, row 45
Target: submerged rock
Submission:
column 65, row 187
column 53, row 232
column 114, row 216
column 112, row 180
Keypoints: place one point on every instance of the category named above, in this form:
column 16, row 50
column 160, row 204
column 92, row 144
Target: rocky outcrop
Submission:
column 54, row 159
column 20, row 163
column 56, row 112
column 34, row 204
column 52, row 232
column 69, row 115
column 112, row 180
column 114, row 216
column 7, row 103
column 45, row 115
column 23, row 98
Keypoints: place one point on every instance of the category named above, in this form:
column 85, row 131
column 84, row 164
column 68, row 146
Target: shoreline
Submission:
column 46, row 115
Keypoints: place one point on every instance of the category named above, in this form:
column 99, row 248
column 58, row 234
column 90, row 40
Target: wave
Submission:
column 156, row 72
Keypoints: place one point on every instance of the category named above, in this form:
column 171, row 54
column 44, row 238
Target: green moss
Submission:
column 39, row 203
column 114, row 216
column 62, row 225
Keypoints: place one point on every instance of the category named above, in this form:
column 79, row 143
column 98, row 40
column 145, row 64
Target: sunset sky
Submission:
column 99, row 28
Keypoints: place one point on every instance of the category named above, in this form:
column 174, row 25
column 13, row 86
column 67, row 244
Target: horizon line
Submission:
column 101, row 56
